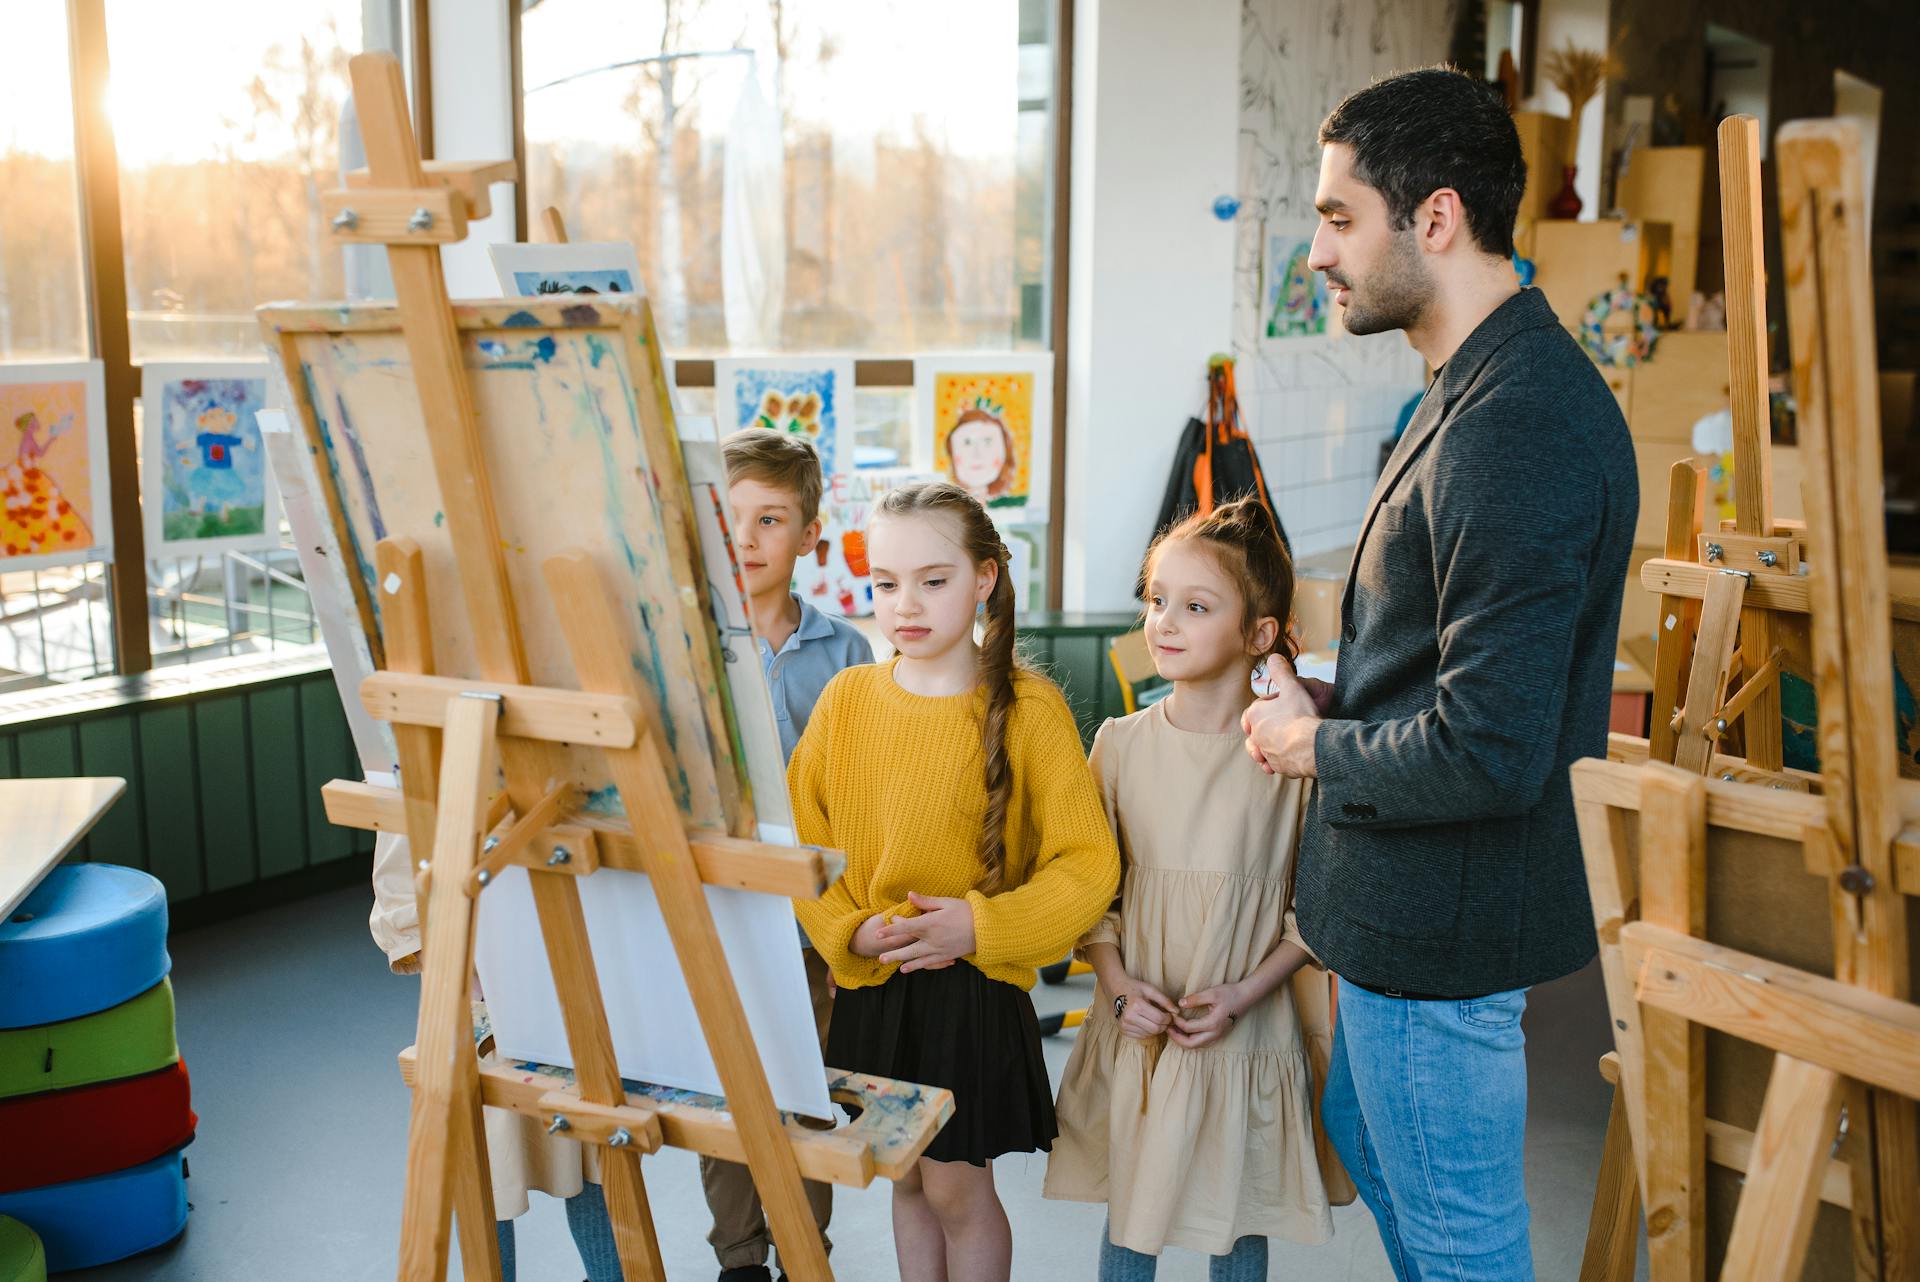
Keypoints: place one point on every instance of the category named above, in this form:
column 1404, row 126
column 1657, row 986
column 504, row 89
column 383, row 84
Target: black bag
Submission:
column 1215, row 463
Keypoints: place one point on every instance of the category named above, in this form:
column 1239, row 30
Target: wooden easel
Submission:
column 1663, row 843
column 457, row 732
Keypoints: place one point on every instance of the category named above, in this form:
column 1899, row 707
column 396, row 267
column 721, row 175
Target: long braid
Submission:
column 996, row 676
column 997, row 658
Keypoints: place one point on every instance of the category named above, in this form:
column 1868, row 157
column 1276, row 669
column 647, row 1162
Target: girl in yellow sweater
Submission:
column 976, row 849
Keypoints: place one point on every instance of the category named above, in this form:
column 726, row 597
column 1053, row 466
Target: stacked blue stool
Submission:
column 87, row 1053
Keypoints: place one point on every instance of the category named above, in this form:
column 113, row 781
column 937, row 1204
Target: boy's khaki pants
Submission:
column 740, row 1238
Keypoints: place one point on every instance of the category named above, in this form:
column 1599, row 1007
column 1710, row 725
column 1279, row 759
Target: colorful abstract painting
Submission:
column 985, row 424
column 205, row 477
column 1293, row 297
column 808, row 396
column 531, row 271
column 53, row 449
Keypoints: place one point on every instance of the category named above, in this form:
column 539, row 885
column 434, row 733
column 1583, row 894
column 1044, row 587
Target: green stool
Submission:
column 127, row 1040
column 21, row 1257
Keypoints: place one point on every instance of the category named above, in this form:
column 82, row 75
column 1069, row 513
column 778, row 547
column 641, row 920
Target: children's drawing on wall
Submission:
column 604, row 267
column 1293, row 296
column 205, row 473
column 836, row 578
column 53, row 466
column 985, row 424
column 807, row 396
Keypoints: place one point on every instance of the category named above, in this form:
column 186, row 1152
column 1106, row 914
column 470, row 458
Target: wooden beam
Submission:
column 526, row 712
column 1712, row 661
column 1612, row 1225
column 1774, row 1220
column 1747, row 372
column 1059, row 263
column 97, row 166
column 593, row 635
column 1823, row 221
column 1613, row 882
column 466, row 776
column 1673, row 895
column 1679, row 618
column 852, row 1155
column 388, row 216
column 797, row 872
column 1787, row 594
column 1767, row 812
column 1823, row 1021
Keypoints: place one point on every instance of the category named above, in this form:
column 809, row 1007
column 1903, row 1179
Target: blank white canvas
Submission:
column 656, row 1032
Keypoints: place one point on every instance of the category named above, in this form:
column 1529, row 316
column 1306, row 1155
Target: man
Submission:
column 1440, row 872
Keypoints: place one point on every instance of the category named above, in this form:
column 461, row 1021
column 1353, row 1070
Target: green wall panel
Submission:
column 48, row 752
column 278, row 782
column 226, row 790
column 172, row 806
column 327, row 748
column 107, row 748
column 9, row 762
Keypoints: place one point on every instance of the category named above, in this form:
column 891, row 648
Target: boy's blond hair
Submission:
column 778, row 459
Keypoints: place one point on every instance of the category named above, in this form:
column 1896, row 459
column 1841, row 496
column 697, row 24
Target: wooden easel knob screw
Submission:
column 345, row 220
column 1715, row 551
column 560, row 855
column 1856, row 880
column 620, row 1138
column 559, row 1124
column 421, row 220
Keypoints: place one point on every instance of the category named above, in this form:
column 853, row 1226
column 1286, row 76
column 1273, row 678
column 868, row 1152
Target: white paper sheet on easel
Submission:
column 656, row 1032
column 290, row 464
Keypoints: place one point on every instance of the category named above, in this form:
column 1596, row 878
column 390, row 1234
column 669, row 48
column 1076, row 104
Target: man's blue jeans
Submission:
column 1426, row 1103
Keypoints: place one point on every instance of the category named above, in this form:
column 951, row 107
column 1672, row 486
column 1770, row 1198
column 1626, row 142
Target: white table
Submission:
column 40, row 821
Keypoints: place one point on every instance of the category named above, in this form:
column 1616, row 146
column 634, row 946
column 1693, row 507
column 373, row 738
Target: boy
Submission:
column 773, row 488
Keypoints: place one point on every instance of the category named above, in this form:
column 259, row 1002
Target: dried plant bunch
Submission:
column 1580, row 74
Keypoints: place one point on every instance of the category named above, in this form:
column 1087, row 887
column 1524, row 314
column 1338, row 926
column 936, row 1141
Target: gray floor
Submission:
column 289, row 1022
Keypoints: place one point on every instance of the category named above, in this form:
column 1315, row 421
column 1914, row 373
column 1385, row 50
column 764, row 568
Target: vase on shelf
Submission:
column 1568, row 203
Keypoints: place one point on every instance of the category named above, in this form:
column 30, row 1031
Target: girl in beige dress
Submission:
column 1187, row 1104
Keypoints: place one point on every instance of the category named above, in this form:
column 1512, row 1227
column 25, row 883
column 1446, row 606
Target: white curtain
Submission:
column 753, row 249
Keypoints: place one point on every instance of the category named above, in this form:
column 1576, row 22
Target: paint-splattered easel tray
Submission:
column 896, row 1123
column 576, row 429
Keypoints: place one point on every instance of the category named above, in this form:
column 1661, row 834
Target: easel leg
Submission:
column 1775, row 1219
column 473, row 1213
column 563, row 925
column 445, row 1034
column 1612, row 1230
column 593, row 636
column 1673, row 849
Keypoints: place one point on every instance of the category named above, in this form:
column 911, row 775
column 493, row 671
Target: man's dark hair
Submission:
column 1419, row 131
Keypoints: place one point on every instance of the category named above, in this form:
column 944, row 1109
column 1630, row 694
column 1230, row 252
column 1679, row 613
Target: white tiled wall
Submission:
column 1319, row 414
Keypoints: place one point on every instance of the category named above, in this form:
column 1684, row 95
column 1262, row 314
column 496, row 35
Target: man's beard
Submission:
column 1394, row 295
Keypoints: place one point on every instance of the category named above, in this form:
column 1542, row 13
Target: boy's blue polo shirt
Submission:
column 818, row 649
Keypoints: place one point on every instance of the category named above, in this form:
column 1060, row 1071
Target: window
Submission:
column 42, row 289
column 227, row 129
column 886, row 198
column 227, row 132
column 53, row 622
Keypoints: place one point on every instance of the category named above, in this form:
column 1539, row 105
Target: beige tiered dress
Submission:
column 1194, row 1148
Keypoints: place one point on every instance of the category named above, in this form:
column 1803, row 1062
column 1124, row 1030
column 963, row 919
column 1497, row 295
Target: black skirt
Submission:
column 955, row 1028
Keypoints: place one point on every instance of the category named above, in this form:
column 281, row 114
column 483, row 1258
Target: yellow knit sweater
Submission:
column 895, row 780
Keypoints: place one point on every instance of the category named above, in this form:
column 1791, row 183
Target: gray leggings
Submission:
column 1247, row 1262
column 592, row 1234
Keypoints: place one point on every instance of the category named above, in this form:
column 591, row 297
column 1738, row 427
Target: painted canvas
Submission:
column 1293, row 297
column 205, row 476
column 53, row 439
column 530, row 271
column 575, row 434
column 808, row 396
column 985, row 423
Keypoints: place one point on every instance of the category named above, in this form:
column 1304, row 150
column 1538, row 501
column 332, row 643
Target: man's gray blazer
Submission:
column 1476, row 664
